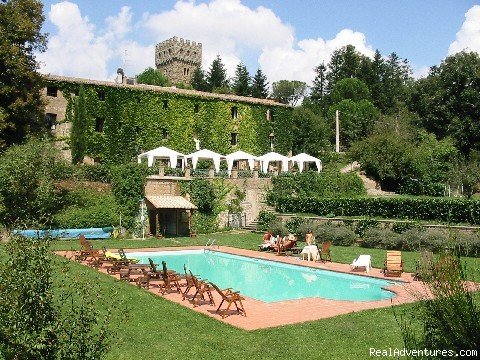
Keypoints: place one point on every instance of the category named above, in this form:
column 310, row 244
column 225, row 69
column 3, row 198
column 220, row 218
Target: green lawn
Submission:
column 159, row 329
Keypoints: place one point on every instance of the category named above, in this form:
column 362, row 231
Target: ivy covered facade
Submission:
column 121, row 120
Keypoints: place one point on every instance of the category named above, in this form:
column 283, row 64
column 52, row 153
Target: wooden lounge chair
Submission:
column 122, row 262
column 393, row 264
column 283, row 248
column 425, row 266
column 87, row 251
column 170, row 280
column 324, row 253
column 202, row 287
column 231, row 297
column 190, row 282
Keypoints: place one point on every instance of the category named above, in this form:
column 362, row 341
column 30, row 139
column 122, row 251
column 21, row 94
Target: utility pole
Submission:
column 337, row 131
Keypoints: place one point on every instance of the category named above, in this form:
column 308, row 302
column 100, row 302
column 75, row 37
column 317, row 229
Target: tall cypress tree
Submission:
column 77, row 132
column 217, row 75
column 260, row 85
column 241, row 81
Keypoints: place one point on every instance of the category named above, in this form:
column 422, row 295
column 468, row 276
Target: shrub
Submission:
column 402, row 226
column 278, row 228
column 391, row 240
column 303, row 228
column 412, row 239
column 338, row 235
column 294, row 223
column 440, row 209
column 27, row 175
column 204, row 223
column 100, row 173
column 434, row 240
column 363, row 225
column 265, row 219
column 375, row 238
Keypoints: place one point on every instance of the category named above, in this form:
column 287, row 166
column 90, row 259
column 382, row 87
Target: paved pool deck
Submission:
column 260, row 315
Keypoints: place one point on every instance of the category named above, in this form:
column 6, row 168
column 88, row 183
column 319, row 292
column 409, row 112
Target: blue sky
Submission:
column 286, row 38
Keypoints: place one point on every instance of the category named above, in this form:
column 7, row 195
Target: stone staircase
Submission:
column 252, row 225
column 372, row 187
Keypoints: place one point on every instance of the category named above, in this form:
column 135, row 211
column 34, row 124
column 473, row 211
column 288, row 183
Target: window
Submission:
column 234, row 139
column 272, row 141
column 101, row 95
column 270, row 115
column 234, row 112
column 99, row 123
column 52, row 91
column 196, row 108
column 51, row 120
column 186, row 71
column 165, row 104
column 164, row 134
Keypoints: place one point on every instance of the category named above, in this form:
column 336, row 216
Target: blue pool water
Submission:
column 270, row 281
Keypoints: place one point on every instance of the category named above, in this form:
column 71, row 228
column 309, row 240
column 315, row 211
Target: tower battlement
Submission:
column 178, row 58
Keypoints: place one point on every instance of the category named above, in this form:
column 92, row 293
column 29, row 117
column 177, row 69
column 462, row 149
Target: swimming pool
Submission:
column 270, row 281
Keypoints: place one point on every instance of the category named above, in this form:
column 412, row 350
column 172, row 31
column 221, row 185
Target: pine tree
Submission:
column 241, row 81
column 77, row 132
column 217, row 76
column 260, row 85
column 319, row 87
column 198, row 80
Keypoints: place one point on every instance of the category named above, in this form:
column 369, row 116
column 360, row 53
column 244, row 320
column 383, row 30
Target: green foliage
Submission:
column 288, row 92
column 440, row 209
column 235, row 204
column 133, row 118
column 78, row 129
column 465, row 173
column 313, row 184
column 87, row 208
column 349, row 89
column 265, row 220
column 337, row 235
column 277, row 227
column 204, row 223
column 311, row 132
column 357, row 119
column 217, row 74
column 450, row 315
column 363, row 225
column 202, row 194
column 400, row 227
column 198, row 80
column 99, row 172
column 241, row 81
column 260, row 85
column 39, row 323
column 128, row 186
column 21, row 105
column 151, row 76
column 294, row 224
column 448, row 100
column 27, row 175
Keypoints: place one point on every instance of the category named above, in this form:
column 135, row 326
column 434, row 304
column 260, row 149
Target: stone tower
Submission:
column 178, row 59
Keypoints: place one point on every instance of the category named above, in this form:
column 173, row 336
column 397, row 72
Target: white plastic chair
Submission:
column 362, row 261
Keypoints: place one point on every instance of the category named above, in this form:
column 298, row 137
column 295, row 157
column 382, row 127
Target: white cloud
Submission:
column 229, row 28
column 468, row 38
column 297, row 64
column 79, row 49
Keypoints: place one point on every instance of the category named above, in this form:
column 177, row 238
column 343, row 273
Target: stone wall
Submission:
column 178, row 59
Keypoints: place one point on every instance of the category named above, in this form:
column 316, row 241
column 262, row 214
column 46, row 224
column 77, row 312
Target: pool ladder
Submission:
column 210, row 243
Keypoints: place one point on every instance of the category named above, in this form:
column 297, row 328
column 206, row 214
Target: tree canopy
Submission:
column 241, row 81
column 260, row 85
column 288, row 92
column 217, row 75
column 151, row 76
column 21, row 111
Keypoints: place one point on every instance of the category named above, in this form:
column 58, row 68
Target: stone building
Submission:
column 178, row 59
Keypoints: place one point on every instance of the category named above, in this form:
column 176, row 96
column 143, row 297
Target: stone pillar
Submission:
column 187, row 172
column 211, row 173
column 161, row 171
column 234, row 174
column 255, row 173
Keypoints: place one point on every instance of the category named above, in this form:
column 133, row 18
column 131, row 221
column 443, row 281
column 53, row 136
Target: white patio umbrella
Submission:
column 303, row 158
column 162, row 152
column 240, row 155
column 205, row 154
column 273, row 156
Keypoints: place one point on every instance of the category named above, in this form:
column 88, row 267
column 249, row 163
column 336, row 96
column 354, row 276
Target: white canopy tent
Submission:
column 303, row 158
column 162, row 152
column 273, row 156
column 205, row 154
column 240, row 155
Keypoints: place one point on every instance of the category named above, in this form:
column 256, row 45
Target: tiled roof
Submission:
column 226, row 97
column 170, row 202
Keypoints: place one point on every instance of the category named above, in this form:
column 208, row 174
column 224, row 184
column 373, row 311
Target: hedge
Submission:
column 445, row 210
